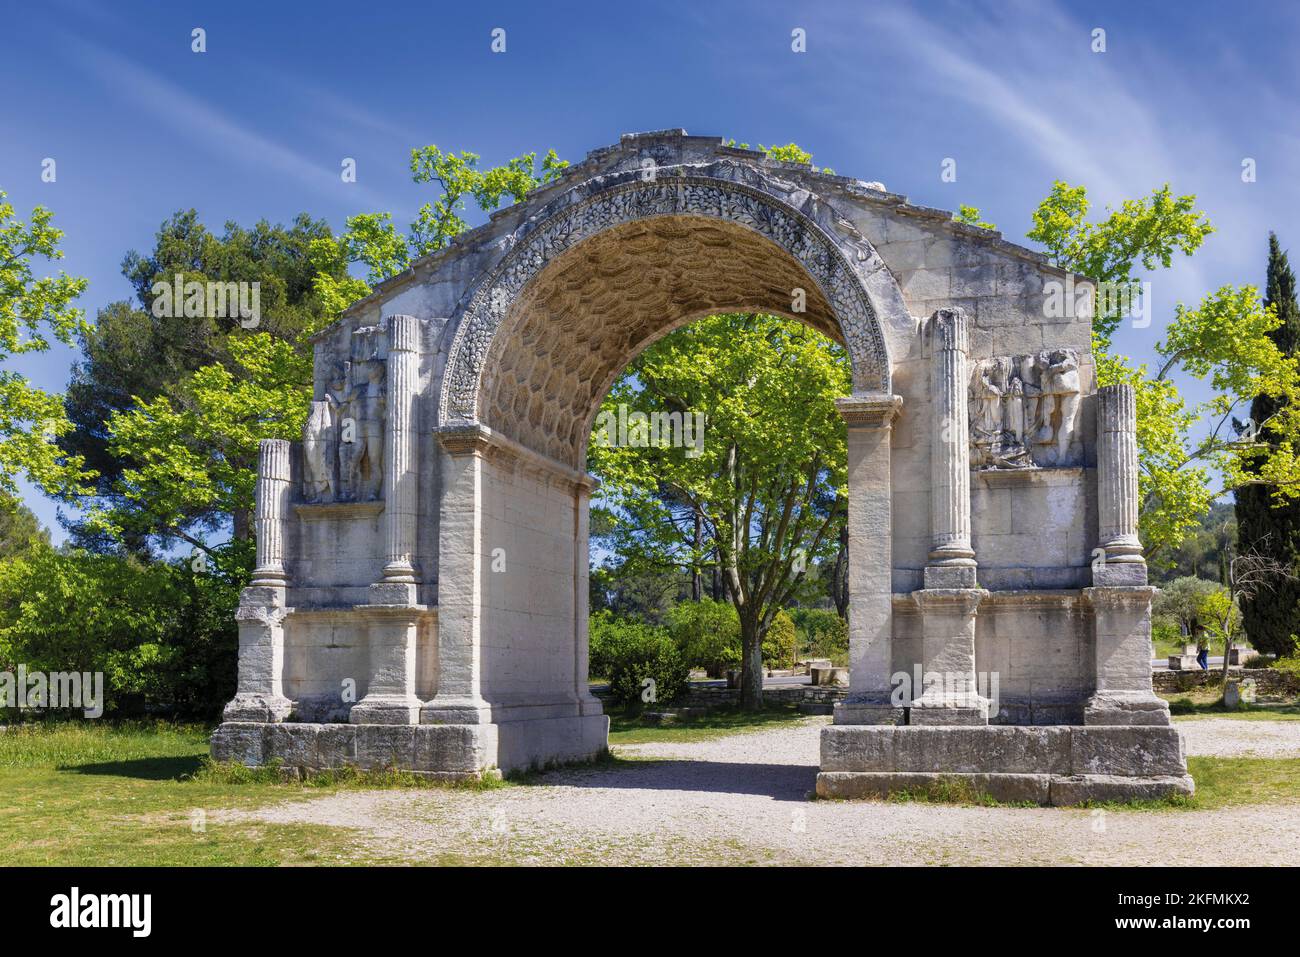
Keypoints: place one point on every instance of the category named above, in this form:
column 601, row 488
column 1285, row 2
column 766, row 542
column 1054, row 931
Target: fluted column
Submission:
column 952, row 560
column 401, row 479
column 1117, row 487
column 393, row 614
column 259, row 694
column 271, row 496
column 1120, row 597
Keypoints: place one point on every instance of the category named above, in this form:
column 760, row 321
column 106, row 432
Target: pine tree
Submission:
column 1265, row 523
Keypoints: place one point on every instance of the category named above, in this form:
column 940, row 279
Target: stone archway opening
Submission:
column 589, row 314
column 535, row 353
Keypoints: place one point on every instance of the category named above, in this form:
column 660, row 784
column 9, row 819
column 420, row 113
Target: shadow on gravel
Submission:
column 781, row 782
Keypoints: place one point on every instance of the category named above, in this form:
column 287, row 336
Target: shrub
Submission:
column 707, row 633
column 780, row 642
column 1290, row 665
column 162, row 634
column 628, row 652
column 653, row 672
column 824, row 633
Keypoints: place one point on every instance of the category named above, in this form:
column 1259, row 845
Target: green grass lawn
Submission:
column 100, row 794
column 1231, row 782
column 1207, row 702
column 131, row 794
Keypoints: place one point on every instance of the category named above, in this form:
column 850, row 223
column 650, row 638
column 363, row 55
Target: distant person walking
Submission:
column 1202, row 646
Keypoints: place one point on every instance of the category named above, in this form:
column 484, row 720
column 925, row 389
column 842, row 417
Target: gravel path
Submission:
column 744, row 799
column 1233, row 737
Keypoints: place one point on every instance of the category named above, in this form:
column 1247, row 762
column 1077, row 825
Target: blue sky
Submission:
column 256, row 127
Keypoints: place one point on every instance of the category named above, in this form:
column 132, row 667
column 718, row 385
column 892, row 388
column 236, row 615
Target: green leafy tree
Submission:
column 163, row 636
column 133, row 359
column 768, row 485
column 458, row 176
column 1270, row 523
column 1144, row 232
column 642, row 662
column 1225, row 342
column 823, row 633
column 780, row 644
column 32, row 309
column 20, row 532
column 193, row 455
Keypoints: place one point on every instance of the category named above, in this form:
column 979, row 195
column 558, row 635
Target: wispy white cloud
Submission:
column 213, row 130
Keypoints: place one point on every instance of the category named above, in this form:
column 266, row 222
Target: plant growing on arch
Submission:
column 769, row 484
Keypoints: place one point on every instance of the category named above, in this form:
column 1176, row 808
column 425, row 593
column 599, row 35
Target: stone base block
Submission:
column 972, row 711
column 1043, row 789
column 386, row 709
column 446, row 751
column 1126, row 708
column 950, row 576
column 860, row 712
column 1009, row 788
column 257, row 707
column 1046, row 765
column 1102, row 788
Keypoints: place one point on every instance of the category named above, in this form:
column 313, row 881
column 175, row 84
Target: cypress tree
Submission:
column 1265, row 523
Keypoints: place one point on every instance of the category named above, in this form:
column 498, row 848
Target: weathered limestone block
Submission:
column 243, row 742
column 1122, row 649
column 1056, row 765
column 1007, row 788
column 1132, row 751
column 259, row 693
column 950, row 692
column 1104, row 788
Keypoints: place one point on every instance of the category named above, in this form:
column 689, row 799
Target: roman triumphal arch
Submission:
column 419, row 599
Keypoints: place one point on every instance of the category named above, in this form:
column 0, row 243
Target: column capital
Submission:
column 869, row 410
column 950, row 328
column 273, row 459
column 403, row 334
column 1116, row 408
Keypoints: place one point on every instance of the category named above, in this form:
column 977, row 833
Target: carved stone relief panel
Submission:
column 343, row 441
column 1024, row 411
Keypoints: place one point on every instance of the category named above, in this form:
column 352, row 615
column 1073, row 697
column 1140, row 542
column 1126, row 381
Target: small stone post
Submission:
column 1120, row 597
